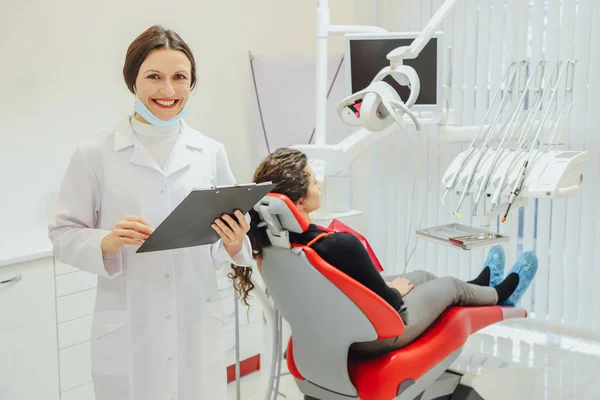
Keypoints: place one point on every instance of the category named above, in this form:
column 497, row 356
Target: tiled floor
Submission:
column 567, row 367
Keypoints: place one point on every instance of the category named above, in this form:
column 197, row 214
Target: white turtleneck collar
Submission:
column 158, row 140
column 143, row 129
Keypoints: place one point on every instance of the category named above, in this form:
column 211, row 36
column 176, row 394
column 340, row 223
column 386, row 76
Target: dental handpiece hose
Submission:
column 485, row 145
column 509, row 132
column 519, row 184
column 472, row 146
column 525, row 129
column 516, row 189
column 521, row 147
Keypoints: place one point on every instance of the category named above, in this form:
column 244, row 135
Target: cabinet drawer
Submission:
column 74, row 332
column 248, row 332
column 85, row 392
column 75, row 283
column 250, row 343
column 60, row 268
column 76, row 306
column 28, row 332
column 75, row 366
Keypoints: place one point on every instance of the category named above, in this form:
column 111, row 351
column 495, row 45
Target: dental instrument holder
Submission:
column 509, row 128
column 509, row 78
column 545, row 171
column 518, row 186
column 523, row 127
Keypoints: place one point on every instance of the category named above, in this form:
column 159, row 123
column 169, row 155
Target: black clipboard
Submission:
column 189, row 224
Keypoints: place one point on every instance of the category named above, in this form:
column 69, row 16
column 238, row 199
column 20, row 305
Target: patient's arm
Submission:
column 401, row 284
column 345, row 252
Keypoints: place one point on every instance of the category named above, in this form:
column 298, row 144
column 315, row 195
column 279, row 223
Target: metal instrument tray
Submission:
column 461, row 236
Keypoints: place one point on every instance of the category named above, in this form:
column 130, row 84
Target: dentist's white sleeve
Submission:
column 72, row 231
column 220, row 256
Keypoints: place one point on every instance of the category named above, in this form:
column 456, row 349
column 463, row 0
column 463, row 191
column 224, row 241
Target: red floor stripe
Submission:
column 247, row 366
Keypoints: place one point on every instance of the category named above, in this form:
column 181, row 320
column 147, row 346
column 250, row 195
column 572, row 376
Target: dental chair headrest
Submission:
column 280, row 215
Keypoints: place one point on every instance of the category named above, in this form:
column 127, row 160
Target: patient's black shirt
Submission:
column 345, row 252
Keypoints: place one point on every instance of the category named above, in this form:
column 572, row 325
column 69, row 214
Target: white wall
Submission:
column 289, row 26
column 284, row 59
column 61, row 82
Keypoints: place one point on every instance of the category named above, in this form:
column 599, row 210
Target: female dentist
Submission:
column 155, row 331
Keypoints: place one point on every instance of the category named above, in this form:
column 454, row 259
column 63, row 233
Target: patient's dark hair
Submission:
column 242, row 282
column 286, row 168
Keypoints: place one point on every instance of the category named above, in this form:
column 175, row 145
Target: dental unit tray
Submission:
column 461, row 236
column 553, row 174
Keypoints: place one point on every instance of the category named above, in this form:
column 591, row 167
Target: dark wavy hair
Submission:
column 242, row 282
column 286, row 168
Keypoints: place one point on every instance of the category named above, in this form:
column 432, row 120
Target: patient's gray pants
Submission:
column 429, row 298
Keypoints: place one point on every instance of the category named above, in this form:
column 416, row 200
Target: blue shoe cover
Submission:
column 496, row 262
column 526, row 267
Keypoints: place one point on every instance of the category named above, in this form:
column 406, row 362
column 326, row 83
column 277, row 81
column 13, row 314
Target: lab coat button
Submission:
column 170, row 358
column 167, row 276
column 162, row 191
column 168, row 317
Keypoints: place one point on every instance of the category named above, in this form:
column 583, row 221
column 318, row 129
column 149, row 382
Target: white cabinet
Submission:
column 28, row 336
column 85, row 392
column 75, row 298
column 45, row 329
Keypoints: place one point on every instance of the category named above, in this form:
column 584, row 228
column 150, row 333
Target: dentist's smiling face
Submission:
column 163, row 83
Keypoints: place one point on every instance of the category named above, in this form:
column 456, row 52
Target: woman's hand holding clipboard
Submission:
column 232, row 232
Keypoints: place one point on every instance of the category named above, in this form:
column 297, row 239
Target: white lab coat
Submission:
column 157, row 319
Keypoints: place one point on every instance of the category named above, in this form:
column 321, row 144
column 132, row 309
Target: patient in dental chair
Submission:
column 419, row 297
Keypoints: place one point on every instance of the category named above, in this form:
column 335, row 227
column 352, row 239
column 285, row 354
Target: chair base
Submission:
column 448, row 387
column 470, row 376
column 461, row 392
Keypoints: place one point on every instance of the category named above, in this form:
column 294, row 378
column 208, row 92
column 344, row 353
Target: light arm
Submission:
column 409, row 52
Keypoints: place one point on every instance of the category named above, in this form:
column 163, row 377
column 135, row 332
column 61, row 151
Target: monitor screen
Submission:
column 368, row 57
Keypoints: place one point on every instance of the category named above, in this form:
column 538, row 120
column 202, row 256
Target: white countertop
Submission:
column 18, row 248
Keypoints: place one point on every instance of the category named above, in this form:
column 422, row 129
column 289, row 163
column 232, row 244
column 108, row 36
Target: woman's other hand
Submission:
column 402, row 285
column 234, row 234
column 131, row 230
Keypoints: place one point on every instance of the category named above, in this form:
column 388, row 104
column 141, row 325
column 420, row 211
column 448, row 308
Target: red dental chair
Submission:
column 328, row 311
